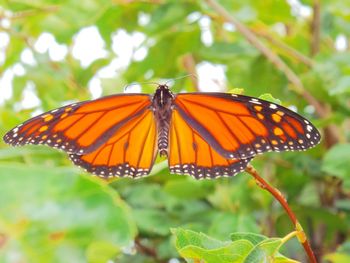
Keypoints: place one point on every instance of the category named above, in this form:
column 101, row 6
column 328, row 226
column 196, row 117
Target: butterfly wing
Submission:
column 238, row 126
column 130, row 151
column 190, row 153
column 82, row 127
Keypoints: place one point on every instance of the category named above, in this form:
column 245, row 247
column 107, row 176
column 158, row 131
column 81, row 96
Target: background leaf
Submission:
column 60, row 212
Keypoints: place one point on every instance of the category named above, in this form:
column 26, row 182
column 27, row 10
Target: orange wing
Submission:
column 190, row 154
column 81, row 127
column 238, row 126
column 130, row 151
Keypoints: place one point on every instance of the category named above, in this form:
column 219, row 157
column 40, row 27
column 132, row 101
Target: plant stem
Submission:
column 286, row 48
column 144, row 249
column 315, row 28
column 189, row 64
column 280, row 198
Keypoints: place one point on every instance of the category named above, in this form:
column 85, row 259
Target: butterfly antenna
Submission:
column 139, row 84
column 182, row 77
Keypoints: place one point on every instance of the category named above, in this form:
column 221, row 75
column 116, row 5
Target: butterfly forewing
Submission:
column 238, row 126
column 82, row 127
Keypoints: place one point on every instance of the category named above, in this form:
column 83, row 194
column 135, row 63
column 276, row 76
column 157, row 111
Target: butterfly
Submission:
column 205, row 135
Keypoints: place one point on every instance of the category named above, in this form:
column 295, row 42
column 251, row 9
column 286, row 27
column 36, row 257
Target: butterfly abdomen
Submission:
column 163, row 135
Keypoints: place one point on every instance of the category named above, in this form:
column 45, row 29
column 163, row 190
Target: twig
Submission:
column 288, row 49
column 34, row 12
column 331, row 131
column 280, row 198
column 3, row 239
column 315, row 28
column 190, row 65
column 144, row 249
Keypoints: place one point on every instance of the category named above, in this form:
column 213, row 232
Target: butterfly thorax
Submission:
column 161, row 104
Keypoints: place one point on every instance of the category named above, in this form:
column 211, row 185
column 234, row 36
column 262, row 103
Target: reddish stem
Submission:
column 280, row 198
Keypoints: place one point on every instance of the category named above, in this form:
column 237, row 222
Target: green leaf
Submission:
column 170, row 47
column 189, row 188
column 236, row 91
column 226, row 222
column 253, row 238
column 337, row 258
column 197, row 246
column 62, row 213
column 244, row 247
column 101, row 252
column 342, row 86
column 342, row 254
column 146, row 196
column 263, row 251
column 167, row 15
column 153, row 222
column 271, row 11
column 269, row 97
column 83, row 76
column 222, row 52
column 343, row 204
column 337, row 162
column 72, row 16
column 13, row 52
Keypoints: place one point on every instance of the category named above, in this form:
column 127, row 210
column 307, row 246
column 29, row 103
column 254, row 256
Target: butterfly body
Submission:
column 162, row 106
column 205, row 135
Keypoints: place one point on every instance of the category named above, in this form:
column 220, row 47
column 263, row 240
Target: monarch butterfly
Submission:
column 205, row 135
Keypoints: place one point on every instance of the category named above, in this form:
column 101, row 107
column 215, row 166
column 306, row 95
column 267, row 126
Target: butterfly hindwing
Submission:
column 238, row 126
column 190, row 154
column 81, row 127
column 130, row 151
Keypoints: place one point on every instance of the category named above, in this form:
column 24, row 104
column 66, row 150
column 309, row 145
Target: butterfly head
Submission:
column 163, row 87
column 163, row 96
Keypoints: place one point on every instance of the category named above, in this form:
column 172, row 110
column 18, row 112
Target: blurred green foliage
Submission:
column 243, row 248
column 53, row 212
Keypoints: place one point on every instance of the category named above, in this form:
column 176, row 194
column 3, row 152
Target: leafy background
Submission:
column 51, row 211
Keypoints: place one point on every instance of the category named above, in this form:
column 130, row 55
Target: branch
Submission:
column 144, row 249
column 280, row 198
column 315, row 28
column 34, row 12
column 288, row 49
column 190, row 66
column 3, row 239
column 297, row 85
